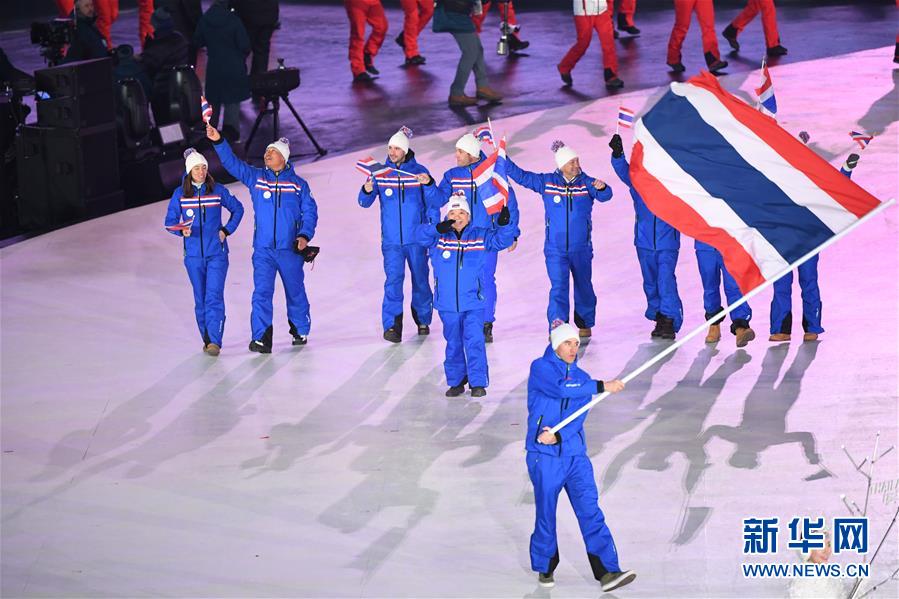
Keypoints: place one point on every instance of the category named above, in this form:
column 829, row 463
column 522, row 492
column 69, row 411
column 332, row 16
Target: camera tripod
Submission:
column 272, row 105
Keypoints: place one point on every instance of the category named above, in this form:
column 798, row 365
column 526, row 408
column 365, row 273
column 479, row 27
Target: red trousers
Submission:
column 628, row 8
column 360, row 13
column 108, row 12
column 705, row 14
column 585, row 26
column 769, row 20
column 416, row 14
column 479, row 19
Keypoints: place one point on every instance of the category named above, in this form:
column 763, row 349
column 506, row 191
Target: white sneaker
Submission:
column 614, row 580
column 546, row 580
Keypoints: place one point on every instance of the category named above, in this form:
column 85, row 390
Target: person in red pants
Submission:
column 144, row 27
column 590, row 15
column 506, row 10
column 362, row 52
column 705, row 14
column 626, row 10
column 416, row 14
column 769, row 25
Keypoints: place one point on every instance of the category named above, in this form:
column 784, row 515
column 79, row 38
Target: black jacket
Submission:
column 228, row 45
column 88, row 42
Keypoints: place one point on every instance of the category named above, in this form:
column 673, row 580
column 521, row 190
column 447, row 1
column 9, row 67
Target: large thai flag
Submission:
column 767, row 102
column 490, row 177
column 369, row 166
column 720, row 171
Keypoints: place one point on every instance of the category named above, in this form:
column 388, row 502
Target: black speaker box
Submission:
column 66, row 174
column 76, row 112
column 77, row 79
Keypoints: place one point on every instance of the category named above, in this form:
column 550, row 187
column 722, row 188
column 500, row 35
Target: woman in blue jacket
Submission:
column 458, row 254
column 557, row 388
column 197, row 205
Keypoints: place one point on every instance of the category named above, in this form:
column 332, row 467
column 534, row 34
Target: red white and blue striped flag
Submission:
column 767, row 101
column 490, row 177
column 862, row 139
column 370, row 167
column 483, row 133
column 205, row 109
column 625, row 117
column 719, row 171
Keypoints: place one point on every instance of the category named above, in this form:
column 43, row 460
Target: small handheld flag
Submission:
column 483, row 133
column 181, row 226
column 205, row 109
column 370, row 167
column 625, row 117
column 862, row 139
column 767, row 104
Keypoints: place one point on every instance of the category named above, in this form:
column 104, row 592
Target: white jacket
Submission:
column 589, row 7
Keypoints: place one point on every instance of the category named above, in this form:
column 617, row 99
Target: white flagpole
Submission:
column 617, row 117
column 727, row 310
column 758, row 100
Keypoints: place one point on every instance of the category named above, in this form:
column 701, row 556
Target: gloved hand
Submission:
column 804, row 136
column 504, row 217
column 446, row 226
column 617, row 146
column 852, row 161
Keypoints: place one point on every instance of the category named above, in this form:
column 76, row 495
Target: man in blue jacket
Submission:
column 459, row 251
column 405, row 199
column 658, row 245
column 782, row 302
column 568, row 196
column 286, row 215
column 461, row 179
column 557, row 388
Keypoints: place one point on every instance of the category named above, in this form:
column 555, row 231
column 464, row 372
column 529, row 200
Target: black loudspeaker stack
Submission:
column 68, row 164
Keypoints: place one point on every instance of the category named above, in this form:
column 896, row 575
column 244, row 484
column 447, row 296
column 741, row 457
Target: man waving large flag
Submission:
column 722, row 172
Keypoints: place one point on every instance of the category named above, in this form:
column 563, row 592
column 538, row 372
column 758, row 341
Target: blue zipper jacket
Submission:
column 568, row 205
column 555, row 391
column 460, row 178
column 282, row 203
column 650, row 231
column 205, row 208
column 405, row 203
column 457, row 260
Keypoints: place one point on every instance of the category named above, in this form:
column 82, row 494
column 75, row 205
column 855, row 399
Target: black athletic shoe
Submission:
column 260, row 347
column 393, row 335
column 615, row 580
column 455, row 390
column 677, row 67
column 656, row 332
column 488, row 332
column 424, row 329
column 415, row 61
column 400, row 39
column 370, row 65
column 300, row 339
column 777, row 50
column 612, row 80
column 516, row 44
column 730, row 34
column 566, row 79
column 546, row 580
column 717, row 66
column 623, row 26
column 478, row 391
column 363, row 77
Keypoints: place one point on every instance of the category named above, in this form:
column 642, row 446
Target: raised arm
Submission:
column 533, row 181
column 234, row 165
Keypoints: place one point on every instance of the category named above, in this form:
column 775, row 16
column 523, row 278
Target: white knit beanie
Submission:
column 458, row 201
column 561, row 334
column 469, row 143
column 562, row 153
column 400, row 139
column 283, row 146
column 192, row 158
